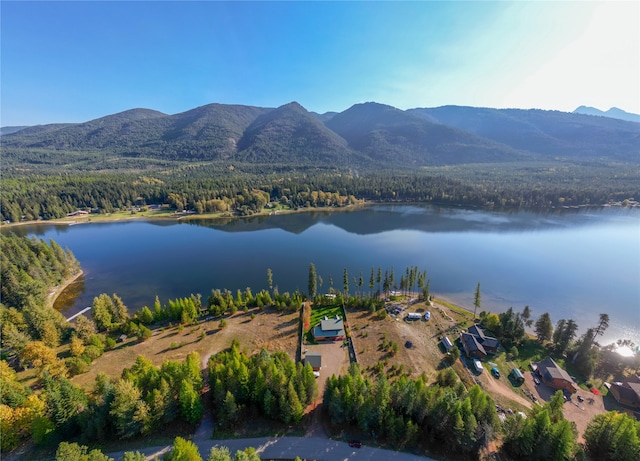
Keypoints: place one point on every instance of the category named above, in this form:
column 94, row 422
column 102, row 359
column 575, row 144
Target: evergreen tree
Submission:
column 190, row 404
column 345, row 282
column 544, row 328
column 613, row 436
column 183, row 450
column 313, row 281
column 476, row 301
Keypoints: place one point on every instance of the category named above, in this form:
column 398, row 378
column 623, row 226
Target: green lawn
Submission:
column 319, row 312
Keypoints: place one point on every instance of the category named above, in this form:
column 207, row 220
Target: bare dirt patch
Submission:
column 269, row 329
column 426, row 352
column 580, row 413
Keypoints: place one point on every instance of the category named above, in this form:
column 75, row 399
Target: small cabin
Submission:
column 314, row 359
column 517, row 376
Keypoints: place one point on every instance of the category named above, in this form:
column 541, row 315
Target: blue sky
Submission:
column 75, row 61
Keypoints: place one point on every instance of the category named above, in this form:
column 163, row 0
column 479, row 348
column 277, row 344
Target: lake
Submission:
column 571, row 263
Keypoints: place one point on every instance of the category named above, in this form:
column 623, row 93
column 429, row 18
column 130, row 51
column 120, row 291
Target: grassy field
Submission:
column 320, row 312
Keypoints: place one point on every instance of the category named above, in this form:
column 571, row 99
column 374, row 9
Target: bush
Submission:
column 110, row 343
column 144, row 333
column 92, row 352
column 381, row 313
column 76, row 365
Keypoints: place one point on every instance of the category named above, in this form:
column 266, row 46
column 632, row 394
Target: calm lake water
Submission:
column 571, row 263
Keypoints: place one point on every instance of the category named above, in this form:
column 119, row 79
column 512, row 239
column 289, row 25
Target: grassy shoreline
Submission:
column 172, row 215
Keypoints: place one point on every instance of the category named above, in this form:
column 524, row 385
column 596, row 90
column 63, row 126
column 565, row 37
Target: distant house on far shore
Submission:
column 78, row 213
column 329, row 330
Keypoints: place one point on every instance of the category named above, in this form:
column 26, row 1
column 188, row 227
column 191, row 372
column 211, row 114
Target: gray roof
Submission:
column 549, row 369
column 328, row 328
column 471, row 343
column 628, row 391
column 486, row 341
column 476, row 330
column 314, row 359
column 331, row 324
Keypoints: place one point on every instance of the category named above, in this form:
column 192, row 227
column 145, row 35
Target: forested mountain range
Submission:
column 365, row 135
column 548, row 133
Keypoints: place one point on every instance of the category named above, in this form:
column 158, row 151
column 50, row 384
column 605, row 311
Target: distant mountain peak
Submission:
column 613, row 112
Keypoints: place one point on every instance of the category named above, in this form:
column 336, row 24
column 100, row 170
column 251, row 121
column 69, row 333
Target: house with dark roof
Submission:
column 329, row 330
column 314, row 359
column 627, row 392
column 553, row 376
column 471, row 346
column 489, row 343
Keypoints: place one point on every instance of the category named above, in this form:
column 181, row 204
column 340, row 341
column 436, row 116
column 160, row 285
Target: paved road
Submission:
column 311, row 448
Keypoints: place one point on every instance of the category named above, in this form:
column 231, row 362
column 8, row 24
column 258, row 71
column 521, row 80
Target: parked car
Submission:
column 495, row 372
column 355, row 443
column 536, row 380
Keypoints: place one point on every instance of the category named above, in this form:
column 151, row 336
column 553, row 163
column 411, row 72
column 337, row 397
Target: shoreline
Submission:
column 179, row 216
column 175, row 216
column 56, row 291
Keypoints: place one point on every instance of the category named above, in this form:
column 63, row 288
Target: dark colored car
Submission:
column 355, row 443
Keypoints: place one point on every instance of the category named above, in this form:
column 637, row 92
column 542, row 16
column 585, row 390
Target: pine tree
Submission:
column 544, row 328
column 313, row 281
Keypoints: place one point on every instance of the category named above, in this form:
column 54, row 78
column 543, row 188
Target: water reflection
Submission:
column 375, row 219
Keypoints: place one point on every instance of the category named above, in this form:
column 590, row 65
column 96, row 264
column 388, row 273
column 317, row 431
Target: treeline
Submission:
column 182, row 450
column 29, row 269
column 246, row 189
column 144, row 399
column 408, row 413
column 268, row 384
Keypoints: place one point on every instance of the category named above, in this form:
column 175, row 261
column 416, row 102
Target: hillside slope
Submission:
column 548, row 133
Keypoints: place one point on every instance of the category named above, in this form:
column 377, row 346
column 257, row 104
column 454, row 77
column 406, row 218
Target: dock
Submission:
column 79, row 313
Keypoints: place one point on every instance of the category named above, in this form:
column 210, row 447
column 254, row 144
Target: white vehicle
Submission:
column 478, row 365
column 413, row 316
column 427, row 315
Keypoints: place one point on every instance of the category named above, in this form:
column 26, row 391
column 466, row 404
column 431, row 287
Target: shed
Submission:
column 446, row 342
column 122, row 338
column 517, row 376
column 314, row 359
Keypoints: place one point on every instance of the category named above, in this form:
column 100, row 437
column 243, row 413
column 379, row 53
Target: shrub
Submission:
column 144, row 333
column 76, row 366
column 110, row 343
column 92, row 352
